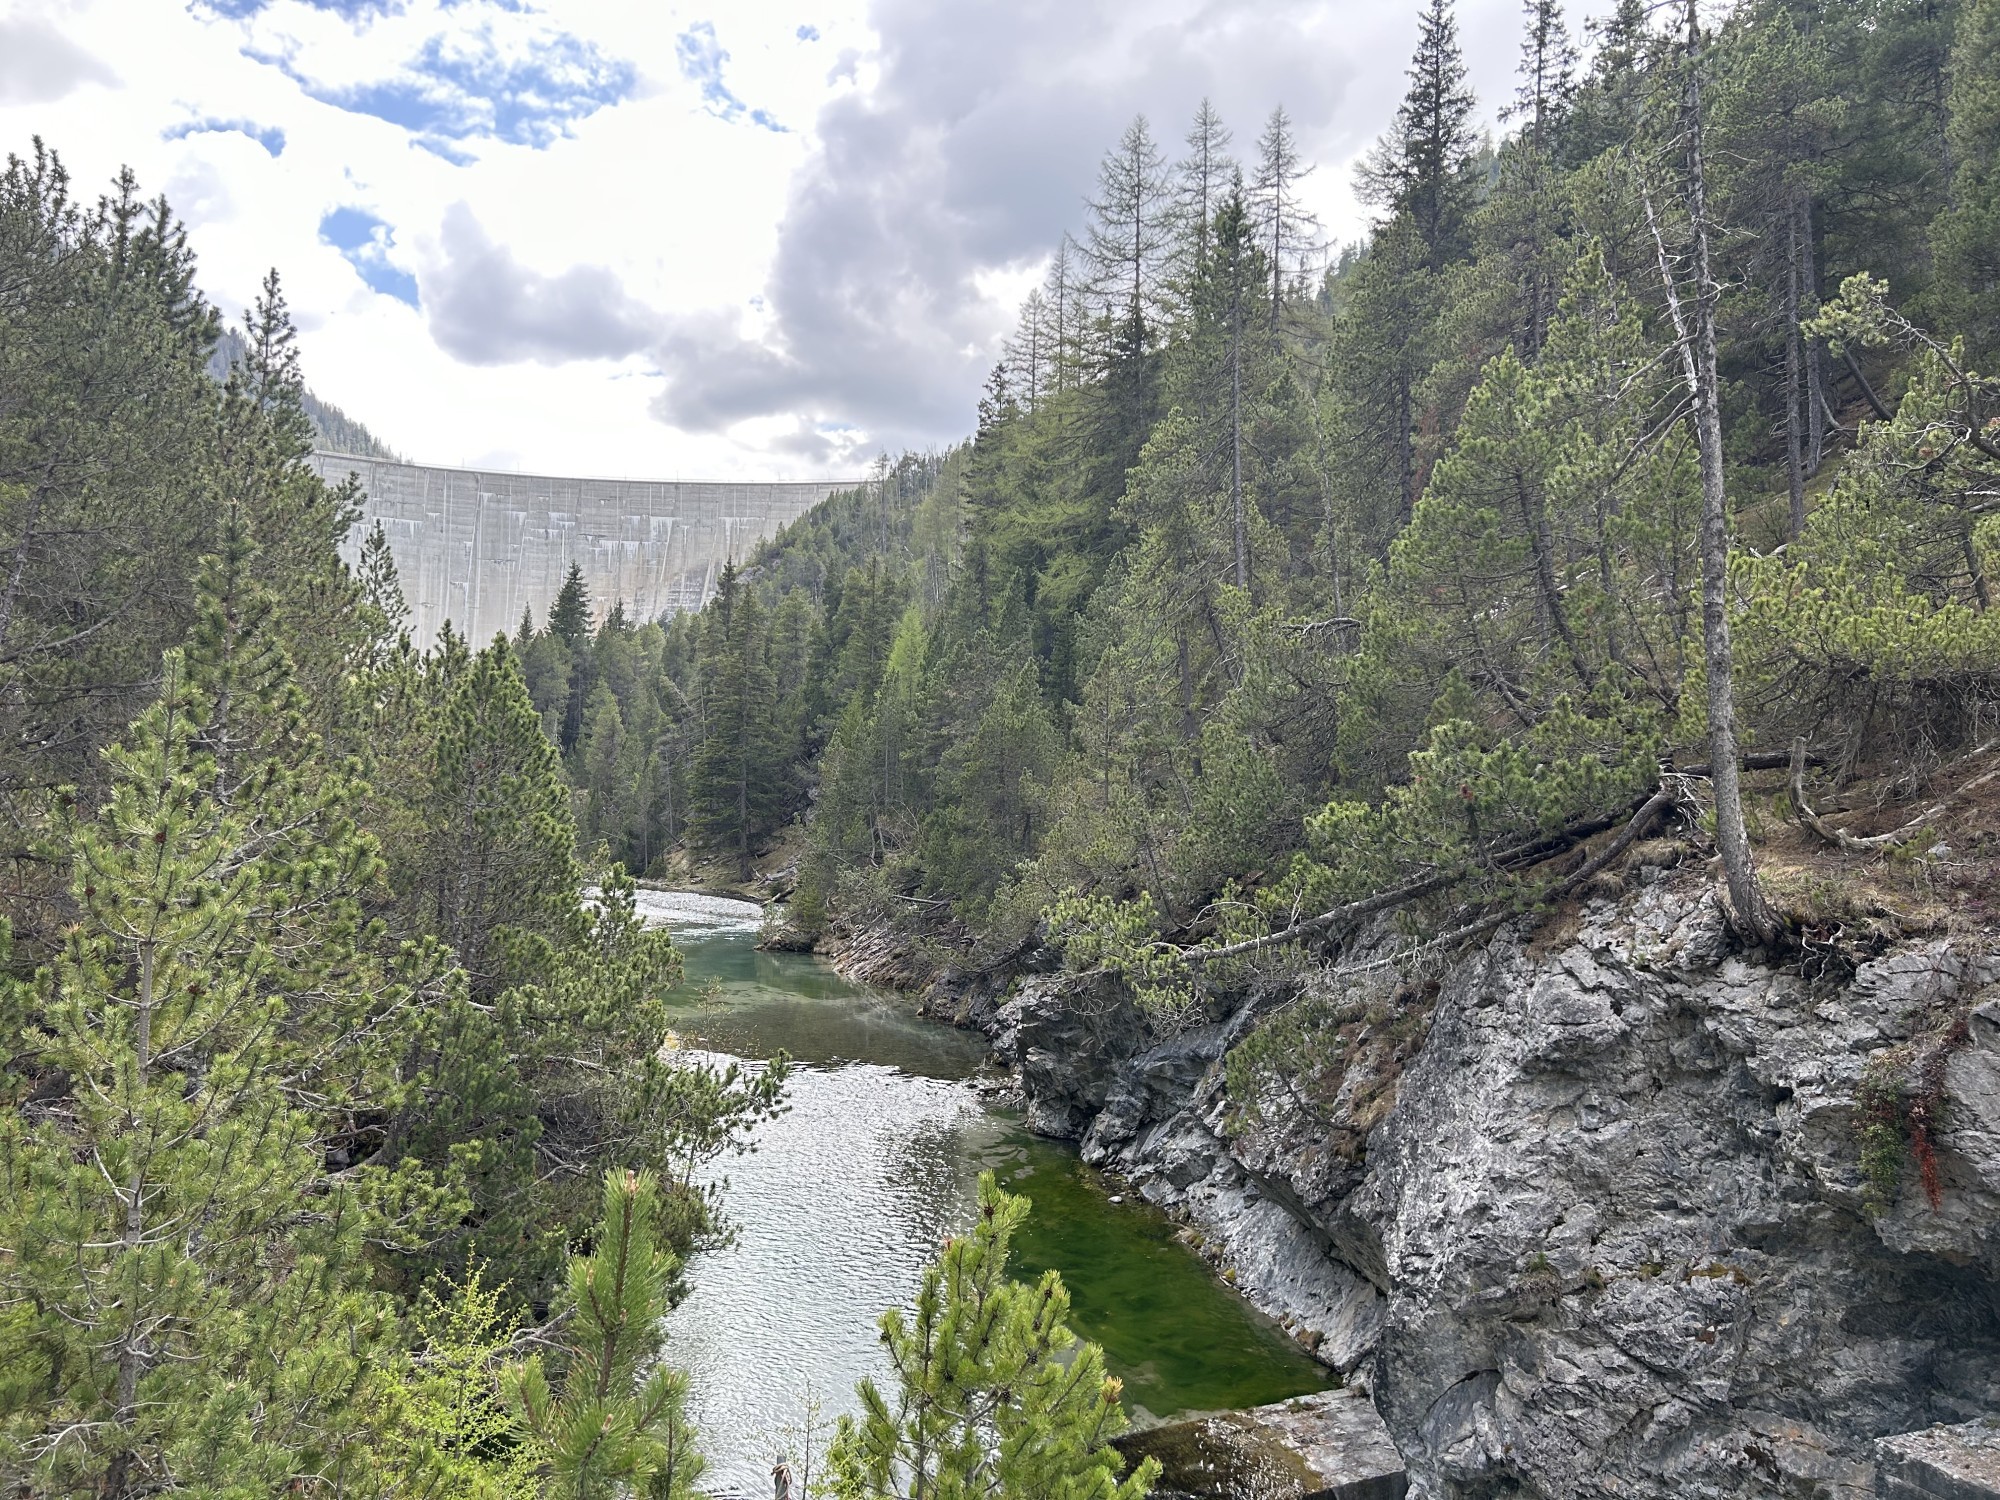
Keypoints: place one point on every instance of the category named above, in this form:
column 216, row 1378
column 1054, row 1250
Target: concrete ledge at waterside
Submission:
column 1942, row 1463
column 1331, row 1446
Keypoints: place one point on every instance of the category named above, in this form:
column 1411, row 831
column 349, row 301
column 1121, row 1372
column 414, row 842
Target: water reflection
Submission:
column 849, row 1194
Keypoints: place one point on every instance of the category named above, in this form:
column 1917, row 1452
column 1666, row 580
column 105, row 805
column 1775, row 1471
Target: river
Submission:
column 848, row 1195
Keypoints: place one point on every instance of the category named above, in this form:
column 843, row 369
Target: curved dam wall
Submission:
column 477, row 547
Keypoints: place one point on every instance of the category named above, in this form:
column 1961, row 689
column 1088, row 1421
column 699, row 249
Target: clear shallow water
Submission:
column 849, row 1194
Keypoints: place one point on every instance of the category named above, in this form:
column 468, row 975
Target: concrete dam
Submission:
column 477, row 547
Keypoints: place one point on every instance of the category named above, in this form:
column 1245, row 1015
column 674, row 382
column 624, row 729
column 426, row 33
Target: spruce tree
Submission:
column 737, row 784
column 1525, row 212
column 1422, row 168
column 569, row 615
column 1966, row 237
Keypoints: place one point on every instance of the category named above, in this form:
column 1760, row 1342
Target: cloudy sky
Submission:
column 760, row 238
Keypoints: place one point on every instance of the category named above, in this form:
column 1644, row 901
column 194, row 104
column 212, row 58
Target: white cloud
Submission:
column 603, row 233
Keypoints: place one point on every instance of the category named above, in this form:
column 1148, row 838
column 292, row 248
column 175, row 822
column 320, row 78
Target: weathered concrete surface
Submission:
column 476, row 547
column 1943, row 1463
column 1331, row 1446
column 1586, row 1215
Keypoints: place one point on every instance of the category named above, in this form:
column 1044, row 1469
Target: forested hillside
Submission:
column 1279, row 587
column 313, row 1055
column 332, row 428
column 344, row 1145
column 1633, row 476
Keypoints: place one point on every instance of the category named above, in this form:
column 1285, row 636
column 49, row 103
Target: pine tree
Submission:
column 1694, row 323
column 295, row 520
column 106, row 500
column 382, row 585
column 195, row 1270
column 269, row 376
column 500, row 842
column 995, row 1397
column 612, row 1424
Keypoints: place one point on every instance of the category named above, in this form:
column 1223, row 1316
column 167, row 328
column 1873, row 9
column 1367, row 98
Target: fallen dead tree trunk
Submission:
column 1642, row 812
column 1878, row 843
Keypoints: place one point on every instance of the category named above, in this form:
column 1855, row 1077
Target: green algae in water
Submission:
column 851, row 1192
column 1178, row 1340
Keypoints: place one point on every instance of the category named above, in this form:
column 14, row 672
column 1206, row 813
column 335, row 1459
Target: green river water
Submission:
column 849, row 1193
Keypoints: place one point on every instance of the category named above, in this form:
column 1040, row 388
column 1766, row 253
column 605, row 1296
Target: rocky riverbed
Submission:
column 1586, row 1213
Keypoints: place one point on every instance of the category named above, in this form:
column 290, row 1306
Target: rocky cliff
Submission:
column 1617, row 1210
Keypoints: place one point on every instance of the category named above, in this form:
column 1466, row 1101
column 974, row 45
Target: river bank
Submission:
column 846, row 1196
column 1585, row 1210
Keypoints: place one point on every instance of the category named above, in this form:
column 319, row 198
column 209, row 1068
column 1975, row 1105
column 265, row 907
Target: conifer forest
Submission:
column 1300, row 628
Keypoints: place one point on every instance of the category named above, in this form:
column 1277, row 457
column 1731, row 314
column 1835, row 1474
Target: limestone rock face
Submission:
column 1943, row 1463
column 1602, row 1230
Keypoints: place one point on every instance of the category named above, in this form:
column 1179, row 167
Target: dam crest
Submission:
column 477, row 547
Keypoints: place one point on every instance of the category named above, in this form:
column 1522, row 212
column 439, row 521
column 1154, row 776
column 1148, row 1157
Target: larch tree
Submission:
column 1201, row 179
column 1288, row 229
column 1129, row 233
column 1694, row 322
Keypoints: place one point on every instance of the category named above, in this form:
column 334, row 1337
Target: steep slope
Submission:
column 1599, row 1211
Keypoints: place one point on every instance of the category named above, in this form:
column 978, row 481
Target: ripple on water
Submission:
column 847, row 1198
column 849, row 1194
column 693, row 915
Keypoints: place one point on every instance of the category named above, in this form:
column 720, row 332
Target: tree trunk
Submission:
column 132, row 1344
column 1795, row 460
column 1815, row 352
column 1542, row 547
column 1236, row 434
column 1406, row 458
column 1731, row 837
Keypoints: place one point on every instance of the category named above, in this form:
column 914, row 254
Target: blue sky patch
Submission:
column 269, row 137
column 364, row 240
column 701, row 58
column 454, row 93
column 353, row 10
column 807, row 33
